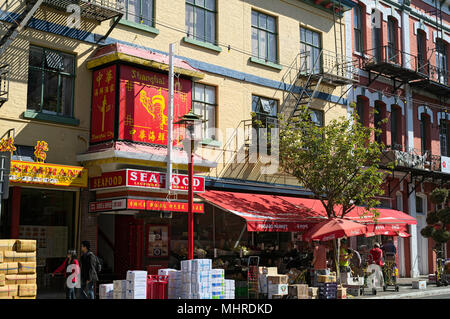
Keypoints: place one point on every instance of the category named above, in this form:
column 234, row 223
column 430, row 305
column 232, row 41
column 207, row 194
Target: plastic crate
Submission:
column 157, row 287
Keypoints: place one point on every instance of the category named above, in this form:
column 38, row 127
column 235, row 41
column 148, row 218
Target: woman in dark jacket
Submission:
column 71, row 259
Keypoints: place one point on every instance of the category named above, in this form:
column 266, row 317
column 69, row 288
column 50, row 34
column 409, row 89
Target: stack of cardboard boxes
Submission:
column 229, row 289
column 106, row 291
column 263, row 273
column 218, row 283
column 120, row 289
column 313, row 292
column 174, row 283
column 136, row 284
column 298, row 291
column 18, row 269
column 197, row 279
column 277, row 286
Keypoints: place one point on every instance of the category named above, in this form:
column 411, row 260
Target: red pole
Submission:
column 191, row 204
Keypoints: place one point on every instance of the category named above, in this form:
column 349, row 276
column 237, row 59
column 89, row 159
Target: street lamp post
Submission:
column 192, row 122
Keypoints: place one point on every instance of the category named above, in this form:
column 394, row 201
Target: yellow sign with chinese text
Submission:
column 48, row 174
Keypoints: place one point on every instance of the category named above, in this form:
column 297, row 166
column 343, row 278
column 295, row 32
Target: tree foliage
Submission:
column 338, row 162
column 439, row 219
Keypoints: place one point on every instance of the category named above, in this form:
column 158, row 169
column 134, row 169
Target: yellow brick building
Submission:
column 246, row 51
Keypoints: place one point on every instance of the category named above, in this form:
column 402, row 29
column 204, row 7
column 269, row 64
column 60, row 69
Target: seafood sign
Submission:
column 144, row 101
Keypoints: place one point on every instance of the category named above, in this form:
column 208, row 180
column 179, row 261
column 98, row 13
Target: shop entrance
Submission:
column 129, row 244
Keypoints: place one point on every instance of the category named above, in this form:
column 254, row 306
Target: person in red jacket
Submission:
column 71, row 259
column 376, row 255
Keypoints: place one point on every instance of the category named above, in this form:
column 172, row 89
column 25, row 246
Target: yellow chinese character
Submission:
column 7, row 145
column 142, row 135
column 107, row 90
column 40, row 151
column 132, row 131
column 99, row 78
column 101, row 90
column 108, row 76
column 161, row 137
column 111, row 88
column 96, row 92
column 151, row 136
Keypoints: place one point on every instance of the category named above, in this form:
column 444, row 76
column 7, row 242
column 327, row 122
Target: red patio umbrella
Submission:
column 334, row 228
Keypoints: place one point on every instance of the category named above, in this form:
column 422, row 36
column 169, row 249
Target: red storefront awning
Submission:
column 285, row 214
column 264, row 212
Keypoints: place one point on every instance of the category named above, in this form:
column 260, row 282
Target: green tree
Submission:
column 338, row 162
column 438, row 222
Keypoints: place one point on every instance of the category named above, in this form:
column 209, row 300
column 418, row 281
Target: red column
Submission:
column 15, row 212
column 191, row 204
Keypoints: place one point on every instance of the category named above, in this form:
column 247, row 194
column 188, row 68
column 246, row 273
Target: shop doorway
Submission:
column 422, row 242
column 129, row 244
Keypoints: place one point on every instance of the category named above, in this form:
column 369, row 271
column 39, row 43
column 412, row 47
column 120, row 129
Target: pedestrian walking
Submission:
column 69, row 267
column 89, row 276
column 376, row 255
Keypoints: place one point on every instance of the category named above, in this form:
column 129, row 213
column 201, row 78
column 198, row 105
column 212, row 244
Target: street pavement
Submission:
column 407, row 292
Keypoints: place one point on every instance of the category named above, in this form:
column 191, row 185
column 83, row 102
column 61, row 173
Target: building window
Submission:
column 392, row 40
column 204, row 104
column 140, row 11
column 358, row 28
column 264, row 37
column 317, row 117
column 395, row 127
column 443, row 137
column 265, row 117
column 377, row 122
column 310, row 42
column 51, row 77
column 201, row 20
column 441, row 61
column 421, row 50
column 360, row 109
column 419, row 205
column 424, row 133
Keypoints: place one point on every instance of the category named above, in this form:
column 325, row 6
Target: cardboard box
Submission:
column 18, row 297
column 1, row 257
column 280, row 289
column 20, row 279
column 136, row 275
column 136, row 294
column 120, row 294
column 277, row 280
column 106, row 291
column 120, row 285
column 2, row 280
column 326, row 278
column 14, row 256
column 313, row 291
column 269, row 271
column 275, row 296
column 298, row 291
column 342, row 293
column 9, row 268
column 26, row 245
column 7, row 244
column 27, row 290
column 27, row 267
column 419, row 284
column 8, row 291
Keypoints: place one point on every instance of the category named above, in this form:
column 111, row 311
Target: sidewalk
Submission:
column 407, row 292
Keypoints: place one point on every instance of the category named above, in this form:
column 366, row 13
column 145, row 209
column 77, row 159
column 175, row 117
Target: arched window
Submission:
column 396, row 134
column 443, row 137
column 425, row 133
column 361, row 102
column 379, row 115
column 392, row 42
column 421, row 51
column 441, row 61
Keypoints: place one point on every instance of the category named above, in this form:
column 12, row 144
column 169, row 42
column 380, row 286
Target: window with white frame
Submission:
column 204, row 104
column 358, row 28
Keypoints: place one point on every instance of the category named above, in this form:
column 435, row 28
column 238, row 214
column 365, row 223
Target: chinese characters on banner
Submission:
column 103, row 104
column 144, row 105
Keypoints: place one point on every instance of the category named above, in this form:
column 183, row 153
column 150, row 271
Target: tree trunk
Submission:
column 336, row 243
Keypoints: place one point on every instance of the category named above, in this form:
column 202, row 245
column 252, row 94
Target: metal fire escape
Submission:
column 16, row 14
